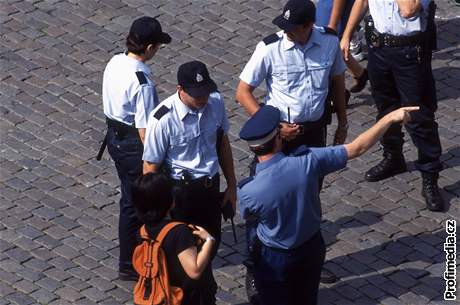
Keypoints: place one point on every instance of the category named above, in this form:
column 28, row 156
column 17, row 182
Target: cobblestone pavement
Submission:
column 59, row 206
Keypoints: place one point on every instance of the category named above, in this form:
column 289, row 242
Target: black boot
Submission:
column 389, row 166
column 430, row 192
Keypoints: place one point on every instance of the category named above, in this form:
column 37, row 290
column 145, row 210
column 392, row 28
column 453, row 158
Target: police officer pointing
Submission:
column 187, row 138
column 401, row 35
column 283, row 198
column 129, row 96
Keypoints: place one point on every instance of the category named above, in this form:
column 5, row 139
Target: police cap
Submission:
column 262, row 126
column 295, row 13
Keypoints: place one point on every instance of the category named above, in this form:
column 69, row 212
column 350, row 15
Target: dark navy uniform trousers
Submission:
column 402, row 76
column 126, row 151
column 290, row 277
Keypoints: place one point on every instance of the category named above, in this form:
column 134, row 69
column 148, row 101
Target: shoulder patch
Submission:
column 327, row 30
column 161, row 112
column 245, row 181
column 141, row 77
column 299, row 151
column 271, row 39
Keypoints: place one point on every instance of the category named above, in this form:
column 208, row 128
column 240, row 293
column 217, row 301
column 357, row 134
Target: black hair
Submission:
column 266, row 148
column 134, row 46
column 152, row 197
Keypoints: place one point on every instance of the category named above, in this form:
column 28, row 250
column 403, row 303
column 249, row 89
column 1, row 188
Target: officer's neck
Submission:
column 270, row 155
column 136, row 57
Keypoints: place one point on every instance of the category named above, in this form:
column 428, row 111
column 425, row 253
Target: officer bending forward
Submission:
column 283, row 198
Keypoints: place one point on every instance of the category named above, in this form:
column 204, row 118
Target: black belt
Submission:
column 120, row 128
column 376, row 39
column 202, row 182
column 304, row 244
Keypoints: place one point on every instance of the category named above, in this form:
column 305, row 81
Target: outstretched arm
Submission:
column 368, row 138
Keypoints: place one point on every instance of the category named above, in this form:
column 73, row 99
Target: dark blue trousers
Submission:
column 290, row 277
column 126, row 151
column 402, row 76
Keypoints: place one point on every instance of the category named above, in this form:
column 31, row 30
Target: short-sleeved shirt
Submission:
column 283, row 195
column 184, row 139
column 297, row 77
column 387, row 18
column 128, row 97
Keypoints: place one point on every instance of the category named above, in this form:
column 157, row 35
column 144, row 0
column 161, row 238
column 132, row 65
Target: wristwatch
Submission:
column 210, row 237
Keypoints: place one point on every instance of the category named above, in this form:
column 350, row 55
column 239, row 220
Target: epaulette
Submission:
column 141, row 77
column 271, row 39
column 327, row 30
column 300, row 151
column 245, row 181
column 161, row 112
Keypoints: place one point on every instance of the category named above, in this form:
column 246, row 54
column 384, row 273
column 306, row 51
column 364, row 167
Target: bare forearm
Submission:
column 409, row 8
column 204, row 256
column 357, row 14
column 244, row 96
column 336, row 13
column 226, row 161
column 338, row 97
column 141, row 134
column 368, row 138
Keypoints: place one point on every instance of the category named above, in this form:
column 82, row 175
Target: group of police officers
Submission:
column 185, row 136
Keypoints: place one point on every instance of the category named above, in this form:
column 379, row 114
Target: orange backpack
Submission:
column 149, row 260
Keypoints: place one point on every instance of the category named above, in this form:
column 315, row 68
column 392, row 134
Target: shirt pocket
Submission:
column 288, row 77
column 182, row 144
column 210, row 134
column 319, row 75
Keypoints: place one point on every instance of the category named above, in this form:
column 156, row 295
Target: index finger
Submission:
column 412, row 108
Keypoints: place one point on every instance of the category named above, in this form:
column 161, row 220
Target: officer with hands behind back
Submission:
column 289, row 251
column 129, row 96
column 187, row 137
column 401, row 35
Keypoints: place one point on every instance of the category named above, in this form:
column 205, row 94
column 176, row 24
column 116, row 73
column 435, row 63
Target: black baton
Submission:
column 101, row 150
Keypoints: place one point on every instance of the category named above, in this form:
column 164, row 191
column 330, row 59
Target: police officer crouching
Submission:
column 401, row 36
column 129, row 96
column 283, row 200
column 187, row 138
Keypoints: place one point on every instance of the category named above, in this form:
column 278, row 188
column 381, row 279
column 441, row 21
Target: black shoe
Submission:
column 430, row 192
column 389, row 166
column 251, row 290
column 361, row 82
column 327, row 277
column 128, row 275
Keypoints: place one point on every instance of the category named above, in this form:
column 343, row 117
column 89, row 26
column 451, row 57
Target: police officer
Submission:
column 298, row 64
column 290, row 250
column 401, row 37
column 129, row 96
column 187, row 137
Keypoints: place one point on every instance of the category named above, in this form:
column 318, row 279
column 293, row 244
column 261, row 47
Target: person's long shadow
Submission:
column 408, row 267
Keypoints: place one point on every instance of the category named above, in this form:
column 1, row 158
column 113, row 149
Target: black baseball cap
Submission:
column 295, row 13
column 194, row 78
column 147, row 30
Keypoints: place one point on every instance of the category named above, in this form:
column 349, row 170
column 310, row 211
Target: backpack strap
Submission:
column 165, row 230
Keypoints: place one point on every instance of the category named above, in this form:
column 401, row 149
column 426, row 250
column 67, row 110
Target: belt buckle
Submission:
column 208, row 182
column 375, row 41
column 301, row 130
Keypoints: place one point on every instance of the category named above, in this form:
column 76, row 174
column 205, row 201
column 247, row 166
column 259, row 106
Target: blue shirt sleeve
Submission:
column 256, row 69
column 245, row 204
column 330, row 159
column 147, row 99
column 156, row 142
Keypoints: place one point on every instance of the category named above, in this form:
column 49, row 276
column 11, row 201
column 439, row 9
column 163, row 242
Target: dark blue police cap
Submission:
column 262, row 126
column 295, row 13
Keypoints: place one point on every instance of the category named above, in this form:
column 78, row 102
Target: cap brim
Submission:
column 203, row 90
column 165, row 38
column 283, row 24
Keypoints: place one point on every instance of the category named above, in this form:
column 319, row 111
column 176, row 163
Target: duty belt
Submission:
column 121, row 130
column 388, row 40
column 206, row 182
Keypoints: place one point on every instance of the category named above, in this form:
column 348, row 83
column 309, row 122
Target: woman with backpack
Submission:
column 185, row 260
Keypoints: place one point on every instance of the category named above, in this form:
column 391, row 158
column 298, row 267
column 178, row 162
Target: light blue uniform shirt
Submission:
column 284, row 198
column 185, row 139
column 387, row 19
column 296, row 76
column 125, row 99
